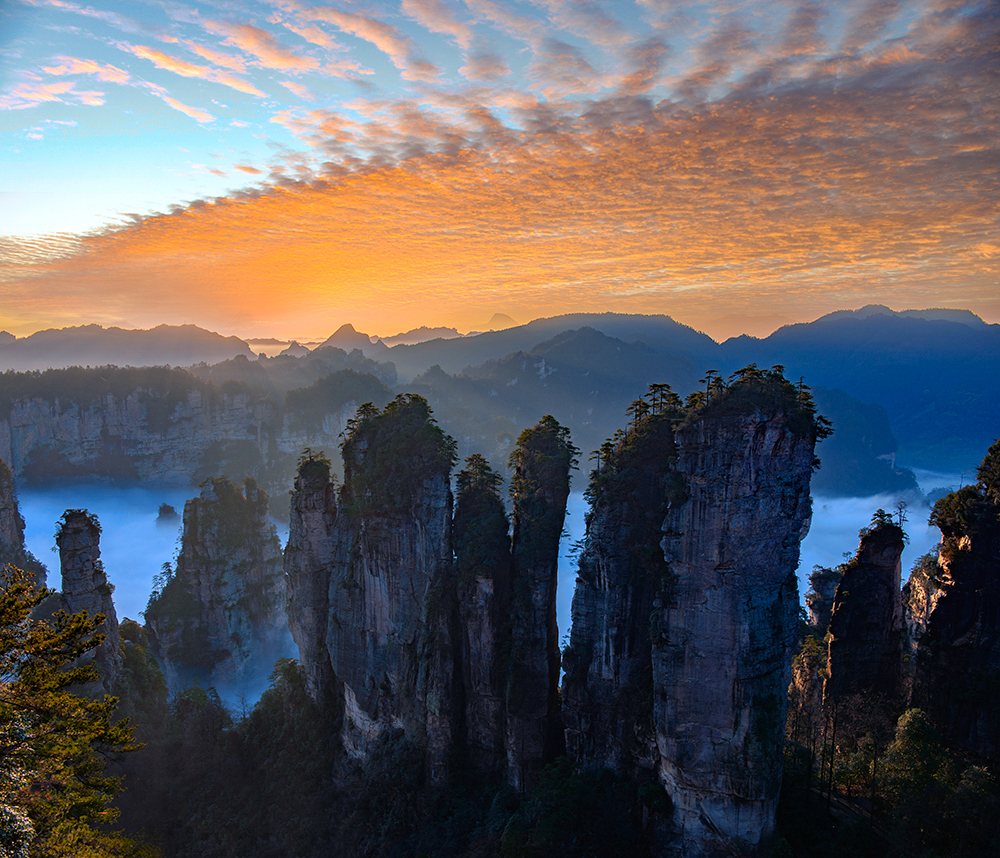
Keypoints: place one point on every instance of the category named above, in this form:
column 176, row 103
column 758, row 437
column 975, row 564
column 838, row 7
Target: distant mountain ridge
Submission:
column 94, row 345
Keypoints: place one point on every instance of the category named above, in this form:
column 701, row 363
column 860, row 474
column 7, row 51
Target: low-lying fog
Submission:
column 134, row 547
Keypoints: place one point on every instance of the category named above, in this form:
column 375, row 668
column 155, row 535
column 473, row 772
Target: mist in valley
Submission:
column 134, row 545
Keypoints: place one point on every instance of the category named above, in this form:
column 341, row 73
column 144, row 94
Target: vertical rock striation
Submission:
column 220, row 619
column 85, row 587
column 542, row 461
column 958, row 656
column 12, row 548
column 715, row 598
column 866, row 625
column 390, row 549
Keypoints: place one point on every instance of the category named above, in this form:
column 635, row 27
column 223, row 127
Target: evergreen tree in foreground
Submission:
column 53, row 742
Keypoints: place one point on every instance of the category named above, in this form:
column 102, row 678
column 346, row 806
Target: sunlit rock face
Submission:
column 867, row 620
column 85, row 587
column 683, row 630
column 220, row 618
column 958, row 653
column 12, row 548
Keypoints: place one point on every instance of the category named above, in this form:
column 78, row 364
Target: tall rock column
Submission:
column 540, row 487
column 391, row 547
column 482, row 584
column 608, row 688
column 221, row 618
column 85, row 587
column 724, row 622
column 307, row 560
column 866, row 628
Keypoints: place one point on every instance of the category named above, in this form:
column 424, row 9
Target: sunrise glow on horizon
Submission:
column 281, row 168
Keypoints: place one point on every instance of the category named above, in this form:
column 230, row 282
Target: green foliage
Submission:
column 314, row 466
column 963, row 513
column 308, row 407
column 988, row 472
column 390, row 454
column 480, row 526
column 53, row 742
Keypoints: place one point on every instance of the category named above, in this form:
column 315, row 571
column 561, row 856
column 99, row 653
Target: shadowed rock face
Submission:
column 683, row 630
column 958, row 655
column 726, row 628
column 540, row 487
column 85, row 587
column 866, row 626
column 307, row 562
column 12, row 530
column 221, row 618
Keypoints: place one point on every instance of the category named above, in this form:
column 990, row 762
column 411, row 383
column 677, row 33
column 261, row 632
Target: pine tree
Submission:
column 53, row 741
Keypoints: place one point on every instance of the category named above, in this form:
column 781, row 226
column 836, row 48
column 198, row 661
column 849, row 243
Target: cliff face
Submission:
column 220, row 618
column 711, row 605
column 154, row 424
column 726, row 627
column 12, row 548
column 480, row 535
column 308, row 562
column 85, row 587
column 958, row 656
column 866, row 626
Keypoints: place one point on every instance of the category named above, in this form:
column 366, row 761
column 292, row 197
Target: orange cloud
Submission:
column 72, row 65
column 394, row 44
column 186, row 69
column 269, row 51
column 20, row 96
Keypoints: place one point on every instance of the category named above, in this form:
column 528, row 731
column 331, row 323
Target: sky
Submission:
column 281, row 168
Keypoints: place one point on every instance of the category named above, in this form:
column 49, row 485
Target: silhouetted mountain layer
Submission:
column 92, row 345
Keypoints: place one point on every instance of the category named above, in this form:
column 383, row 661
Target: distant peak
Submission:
column 500, row 322
column 346, row 328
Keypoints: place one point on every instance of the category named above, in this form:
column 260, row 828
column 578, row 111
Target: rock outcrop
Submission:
column 866, row 625
column 12, row 548
column 823, row 583
column 85, row 587
column 220, row 618
column 958, row 655
column 734, row 484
